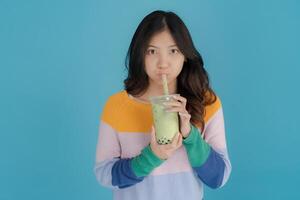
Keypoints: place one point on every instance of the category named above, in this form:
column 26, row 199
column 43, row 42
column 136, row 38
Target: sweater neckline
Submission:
column 133, row 101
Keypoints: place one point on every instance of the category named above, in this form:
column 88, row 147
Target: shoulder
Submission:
column 213, row 107
column 116, row 98
column 112, row 105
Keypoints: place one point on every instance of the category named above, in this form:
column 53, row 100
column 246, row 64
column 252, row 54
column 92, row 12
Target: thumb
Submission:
column 175, row 138
column 153, row 139
column 179, row 142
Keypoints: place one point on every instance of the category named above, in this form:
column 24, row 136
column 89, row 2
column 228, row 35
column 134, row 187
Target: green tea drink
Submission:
column 166, row 123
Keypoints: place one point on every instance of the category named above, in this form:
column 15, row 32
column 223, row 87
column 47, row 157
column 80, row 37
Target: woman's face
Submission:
column 163, row 57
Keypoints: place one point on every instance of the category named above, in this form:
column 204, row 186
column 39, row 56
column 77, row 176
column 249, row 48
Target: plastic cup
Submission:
column 165, row 123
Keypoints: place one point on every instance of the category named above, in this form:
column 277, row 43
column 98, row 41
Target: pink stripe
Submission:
column 108, row 146
column 214, row 132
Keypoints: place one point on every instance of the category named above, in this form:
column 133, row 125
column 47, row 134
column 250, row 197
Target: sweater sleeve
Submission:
column 208, row 157
column 115, row 172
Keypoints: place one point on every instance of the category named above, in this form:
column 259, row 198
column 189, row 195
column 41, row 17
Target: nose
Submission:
column 163, row 62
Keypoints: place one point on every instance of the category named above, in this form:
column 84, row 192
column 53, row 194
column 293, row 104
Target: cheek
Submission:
column 150, row 61
column 149, row 66
column 177, row 66
column 178, row 70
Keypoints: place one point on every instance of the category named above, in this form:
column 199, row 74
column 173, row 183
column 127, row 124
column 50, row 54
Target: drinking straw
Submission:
column 165, row 84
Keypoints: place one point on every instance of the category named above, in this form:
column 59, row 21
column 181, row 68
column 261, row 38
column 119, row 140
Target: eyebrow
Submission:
column 174, row 45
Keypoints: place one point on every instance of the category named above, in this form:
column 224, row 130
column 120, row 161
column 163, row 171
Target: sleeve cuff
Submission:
column 144, row 163
column 192, row 137
column 154, row 158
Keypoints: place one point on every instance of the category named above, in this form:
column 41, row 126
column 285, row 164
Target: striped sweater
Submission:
column 126, row 164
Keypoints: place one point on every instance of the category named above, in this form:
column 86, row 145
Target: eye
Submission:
column 151, row 51
column 174, row 51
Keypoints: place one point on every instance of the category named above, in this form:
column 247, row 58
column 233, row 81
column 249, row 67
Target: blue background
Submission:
column 61, row 59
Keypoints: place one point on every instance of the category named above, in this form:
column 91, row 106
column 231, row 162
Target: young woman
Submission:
column 128, row 158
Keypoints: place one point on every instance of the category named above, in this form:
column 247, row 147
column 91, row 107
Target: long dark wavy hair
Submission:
column 192, row 82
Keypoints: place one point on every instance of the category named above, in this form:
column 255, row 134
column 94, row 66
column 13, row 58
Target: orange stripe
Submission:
column 127, row 115
column 212, row 109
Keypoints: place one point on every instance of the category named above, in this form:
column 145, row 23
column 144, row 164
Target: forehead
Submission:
column 162, row 39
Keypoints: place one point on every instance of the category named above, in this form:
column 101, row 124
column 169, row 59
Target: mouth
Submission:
column 161, row 72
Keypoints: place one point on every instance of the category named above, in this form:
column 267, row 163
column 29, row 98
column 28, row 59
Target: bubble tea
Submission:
column 166, row 123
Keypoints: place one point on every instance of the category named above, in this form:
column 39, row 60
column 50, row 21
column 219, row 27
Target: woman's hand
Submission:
column 164, row 151
column 180, row 107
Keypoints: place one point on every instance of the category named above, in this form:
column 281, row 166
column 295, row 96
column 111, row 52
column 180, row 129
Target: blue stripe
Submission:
column 174, row 186
column 212, row 171
column 122, row 174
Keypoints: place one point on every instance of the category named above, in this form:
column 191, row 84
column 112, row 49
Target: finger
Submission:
column 173, row 103
column 184, row 115
column 175, row 140
column 177, row 109
column 180, row 98
column 179, row 141
column 153, row 139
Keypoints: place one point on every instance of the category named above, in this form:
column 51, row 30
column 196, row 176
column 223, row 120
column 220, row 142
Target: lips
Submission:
column 161, row 72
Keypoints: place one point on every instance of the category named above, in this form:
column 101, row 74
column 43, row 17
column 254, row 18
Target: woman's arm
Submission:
column 112, row 171
column 209, row 157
